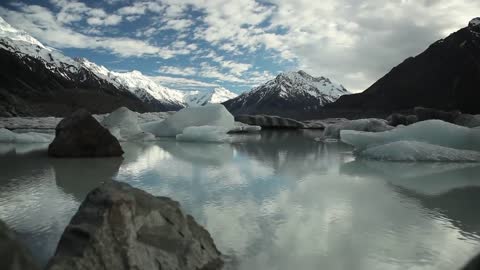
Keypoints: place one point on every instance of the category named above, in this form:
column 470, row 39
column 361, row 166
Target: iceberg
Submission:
column 209, row 115
column 418, row 151
column 123, row 124
column 7, row 136
column 204, row 134
column 433, row 132
column 332, row 131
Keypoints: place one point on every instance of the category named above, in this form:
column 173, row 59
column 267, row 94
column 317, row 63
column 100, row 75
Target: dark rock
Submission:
column 120, row 227
column 468, row 120
column 429, row 114
column 400, row 119
column 474, row 264
column 269, row 121
column 13, row 255
column 80, row 135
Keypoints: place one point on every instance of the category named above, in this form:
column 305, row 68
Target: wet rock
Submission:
column 121, row 227
column 269, row 121
column 80, row 135
column 13, row 255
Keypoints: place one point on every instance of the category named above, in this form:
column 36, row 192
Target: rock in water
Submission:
column 13, row 255
column 80, row 135
column 120, row 227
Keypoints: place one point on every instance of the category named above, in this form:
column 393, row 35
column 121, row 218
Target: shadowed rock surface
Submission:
column 269, row 121
column 13, row 255
column 80, row 135
column 121, row 227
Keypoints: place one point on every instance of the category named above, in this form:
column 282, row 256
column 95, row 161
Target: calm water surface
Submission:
column 276, row 200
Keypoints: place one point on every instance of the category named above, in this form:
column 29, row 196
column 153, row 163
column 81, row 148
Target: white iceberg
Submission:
column 418, row 151
column 123, row 124
column 7, row 136
column 204, row 134
column 209, row 115
column 240, row 127
column 434, row 132
column 371, row 125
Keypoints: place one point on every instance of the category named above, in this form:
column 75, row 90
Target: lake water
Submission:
column 275, row 200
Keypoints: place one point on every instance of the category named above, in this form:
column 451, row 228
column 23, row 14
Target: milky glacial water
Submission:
column 275, row 200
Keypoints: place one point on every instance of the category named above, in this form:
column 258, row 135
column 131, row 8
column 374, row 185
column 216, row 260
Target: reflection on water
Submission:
column 278, row 200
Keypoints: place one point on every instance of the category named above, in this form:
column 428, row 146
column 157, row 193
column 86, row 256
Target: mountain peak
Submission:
column 10, row 32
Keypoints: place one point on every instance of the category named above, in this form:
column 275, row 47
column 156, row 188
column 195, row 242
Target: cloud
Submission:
column 186, row 71
column 182, row 83
column 43, row 24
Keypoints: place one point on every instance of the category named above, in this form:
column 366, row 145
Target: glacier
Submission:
column 418, row 151
column 209, row 115
column 432, row 140
column 332, row 131
column 123, row 124
column 7, row 136
column 435, row 132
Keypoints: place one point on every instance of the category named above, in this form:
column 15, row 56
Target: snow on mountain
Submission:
column 295, row 92
column 22, row 44
column 217, row 95
column 292, row 84
column 142, row 86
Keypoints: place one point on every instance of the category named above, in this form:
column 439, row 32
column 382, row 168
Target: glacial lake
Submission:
column 274, row 200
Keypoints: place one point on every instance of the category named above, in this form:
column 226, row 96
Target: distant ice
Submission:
column 7, row 136
column 371, row 125
column 209, row 115
column 418, row 151
column 123, row 124
column 435, row 132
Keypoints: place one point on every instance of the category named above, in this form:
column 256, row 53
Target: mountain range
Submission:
column 290, row 94
column 39, row 80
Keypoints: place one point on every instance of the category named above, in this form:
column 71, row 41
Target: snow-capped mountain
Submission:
column 142, row 86
column 46, row 71
column 290, row 94
column 217, row 95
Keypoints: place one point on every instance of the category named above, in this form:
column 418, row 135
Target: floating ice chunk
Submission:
column 418, row 151
column 7, row 136
column 209, row 115
column 123, row 124
column 204, row 134
column 244, row 128
column 435, row 132
column 371, row 125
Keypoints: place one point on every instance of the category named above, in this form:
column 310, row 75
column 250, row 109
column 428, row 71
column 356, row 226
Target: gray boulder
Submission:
column 80, row 135
column 269, row 121
column 468, row 120
column 13, row 255
column 120, row 227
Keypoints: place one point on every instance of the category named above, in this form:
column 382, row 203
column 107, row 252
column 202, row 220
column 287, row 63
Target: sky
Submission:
column 238, row 44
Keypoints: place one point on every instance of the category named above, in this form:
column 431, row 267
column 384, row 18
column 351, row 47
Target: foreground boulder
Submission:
column 120, row 227
column 269, row 121
column 13, row 255
column 80, row 135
